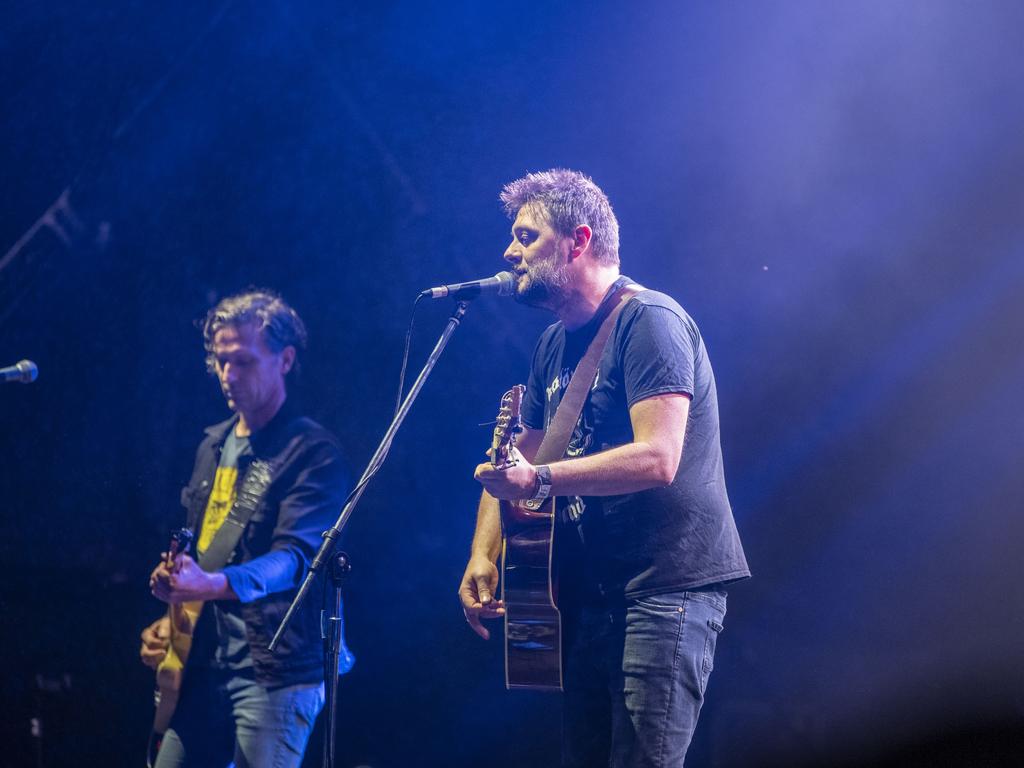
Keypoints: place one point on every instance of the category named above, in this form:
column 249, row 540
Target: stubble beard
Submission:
column 546, row 287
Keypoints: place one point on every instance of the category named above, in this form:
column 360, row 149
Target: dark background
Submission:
column 835, row 191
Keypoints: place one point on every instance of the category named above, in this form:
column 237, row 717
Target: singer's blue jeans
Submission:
column 226, row 716
column 635, row 677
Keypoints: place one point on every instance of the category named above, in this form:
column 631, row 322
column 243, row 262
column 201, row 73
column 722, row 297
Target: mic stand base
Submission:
column 331, row 628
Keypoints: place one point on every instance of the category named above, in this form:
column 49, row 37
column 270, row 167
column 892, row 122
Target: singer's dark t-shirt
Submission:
column 667, row 539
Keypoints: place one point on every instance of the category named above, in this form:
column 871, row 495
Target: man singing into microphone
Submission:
column 266, row 483
column 646, row 543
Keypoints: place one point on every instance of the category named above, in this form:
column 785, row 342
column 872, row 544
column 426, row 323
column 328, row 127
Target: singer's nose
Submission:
column 512, row 254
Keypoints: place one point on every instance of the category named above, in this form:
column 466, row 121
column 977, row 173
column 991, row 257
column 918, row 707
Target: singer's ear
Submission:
column 287, row 359
column 581, row 240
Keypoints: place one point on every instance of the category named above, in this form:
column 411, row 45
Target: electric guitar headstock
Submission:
column 181, row 542
column 508, row 426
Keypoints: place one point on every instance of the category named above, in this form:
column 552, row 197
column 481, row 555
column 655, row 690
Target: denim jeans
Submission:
column 635, row 677
column 229, row 717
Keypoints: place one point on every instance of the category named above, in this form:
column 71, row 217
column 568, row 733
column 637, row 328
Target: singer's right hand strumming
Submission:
column 477, row 593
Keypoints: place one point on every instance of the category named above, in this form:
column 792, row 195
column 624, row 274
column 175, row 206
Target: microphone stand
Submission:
column 331, row 535
column 333, row 644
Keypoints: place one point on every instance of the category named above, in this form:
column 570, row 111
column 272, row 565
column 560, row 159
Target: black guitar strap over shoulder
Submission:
column 254, row 485
column 559, row 431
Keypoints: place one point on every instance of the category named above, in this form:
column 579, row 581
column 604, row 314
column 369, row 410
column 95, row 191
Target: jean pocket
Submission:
column 669, row 602
column 710, row 641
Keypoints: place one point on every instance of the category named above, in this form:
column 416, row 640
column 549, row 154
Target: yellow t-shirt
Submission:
column 222, row 495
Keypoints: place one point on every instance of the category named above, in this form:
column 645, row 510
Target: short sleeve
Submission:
column 657, row 353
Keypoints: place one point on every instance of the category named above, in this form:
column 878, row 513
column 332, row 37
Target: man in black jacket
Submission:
column 279, row 478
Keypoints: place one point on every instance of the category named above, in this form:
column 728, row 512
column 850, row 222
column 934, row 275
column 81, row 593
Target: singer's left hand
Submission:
column 517, row 481
column 187, row 582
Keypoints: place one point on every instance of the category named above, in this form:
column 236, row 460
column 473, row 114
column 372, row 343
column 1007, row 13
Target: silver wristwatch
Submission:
column 543, row 483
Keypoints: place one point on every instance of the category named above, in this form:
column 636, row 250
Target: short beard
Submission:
column 546, row 288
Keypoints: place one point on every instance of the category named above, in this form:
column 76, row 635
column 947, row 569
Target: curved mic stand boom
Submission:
column 324, row 554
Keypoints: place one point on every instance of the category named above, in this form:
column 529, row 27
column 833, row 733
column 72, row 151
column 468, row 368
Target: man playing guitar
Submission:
column 267, row 482
column 646, row 541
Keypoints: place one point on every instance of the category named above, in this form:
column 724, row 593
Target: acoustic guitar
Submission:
column 529, row 585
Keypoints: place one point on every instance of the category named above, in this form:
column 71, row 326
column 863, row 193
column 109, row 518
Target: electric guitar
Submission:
column 169, row 674
column 529, row 586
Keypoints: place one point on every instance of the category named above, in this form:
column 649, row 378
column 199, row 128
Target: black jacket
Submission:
column 304, row 498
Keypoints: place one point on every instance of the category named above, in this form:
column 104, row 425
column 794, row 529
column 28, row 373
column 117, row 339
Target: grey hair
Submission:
column 279, row 324
column 568, row 199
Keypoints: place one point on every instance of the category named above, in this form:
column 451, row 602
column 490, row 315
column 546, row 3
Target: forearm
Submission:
column 275, row 571
column 624, row 469
column 487, row 537
column 217, row 587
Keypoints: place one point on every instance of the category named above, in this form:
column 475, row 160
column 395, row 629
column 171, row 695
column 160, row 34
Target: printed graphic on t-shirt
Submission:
column 221, row 498
column 582, row 434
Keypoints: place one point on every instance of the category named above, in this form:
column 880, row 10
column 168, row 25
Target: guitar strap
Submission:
column 559, row 431
column 254, row 485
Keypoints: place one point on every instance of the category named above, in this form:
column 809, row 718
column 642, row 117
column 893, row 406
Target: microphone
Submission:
column 503, row 283
column 24, row 371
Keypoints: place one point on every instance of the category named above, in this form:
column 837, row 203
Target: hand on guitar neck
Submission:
column 516, row 479
column 509, row 475
column 179, row 579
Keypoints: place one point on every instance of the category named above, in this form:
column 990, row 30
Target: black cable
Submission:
column 401, row 387
column 405, row 355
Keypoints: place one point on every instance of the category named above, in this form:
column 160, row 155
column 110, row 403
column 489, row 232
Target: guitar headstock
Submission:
column 181, row 542
column 508, row 425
